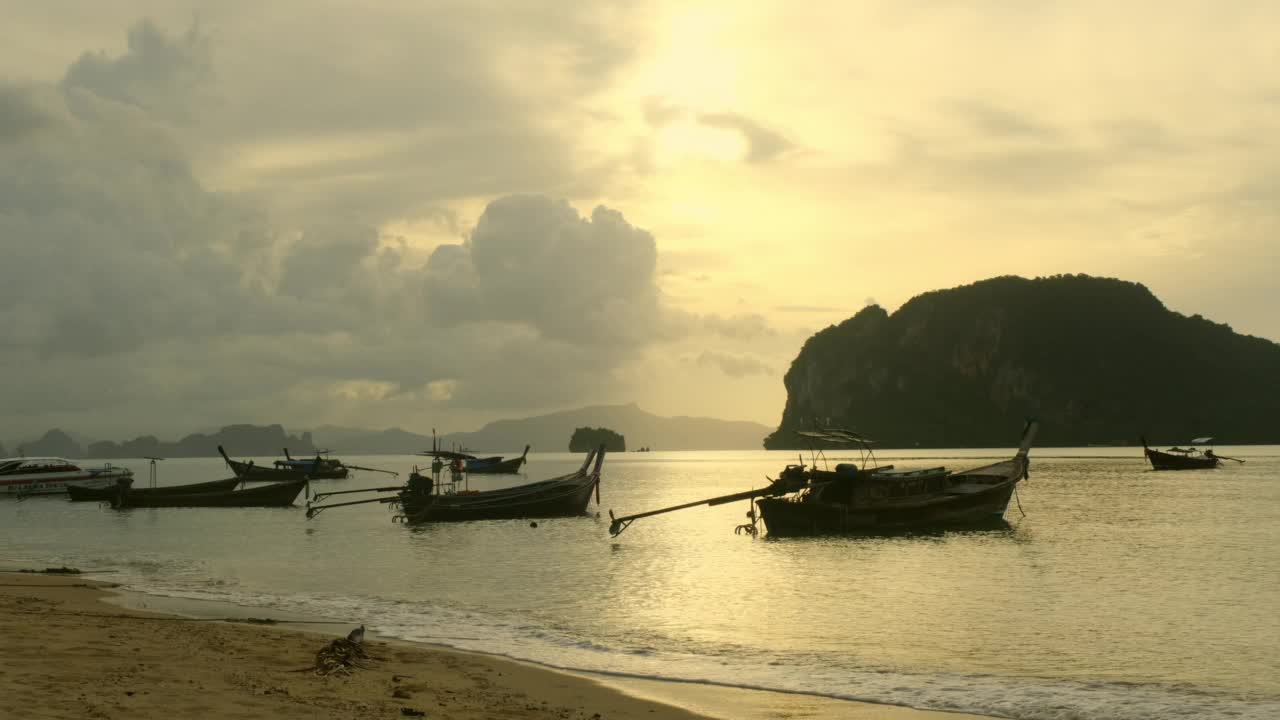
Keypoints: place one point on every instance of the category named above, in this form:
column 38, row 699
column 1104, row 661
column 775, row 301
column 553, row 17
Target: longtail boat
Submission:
column 250, row 471
column 81, row 494
column 1188, row 458
column 278, row 494
column 497, row 466
column 423, row 499
column 875, row 500
column 317, row 468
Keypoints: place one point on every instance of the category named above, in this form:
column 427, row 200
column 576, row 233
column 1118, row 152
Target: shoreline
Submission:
column 463, row 684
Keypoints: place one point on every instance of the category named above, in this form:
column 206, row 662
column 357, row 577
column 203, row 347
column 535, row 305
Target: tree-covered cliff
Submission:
column 585, row 439
column 1096, row 359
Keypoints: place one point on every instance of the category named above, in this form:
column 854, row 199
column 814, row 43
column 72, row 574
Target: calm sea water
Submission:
column 1122, row 593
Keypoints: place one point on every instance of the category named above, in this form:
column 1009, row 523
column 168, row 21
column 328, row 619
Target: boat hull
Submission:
column 328, row 470
column 496, row 465
column 280, row 494
column 505, row 467
column 564, row 499
column 250, row 471
column 563, row 496
column 59, row 485
column 925, row 501
column 1171, row 461
column 791, row 517
column 107, row 494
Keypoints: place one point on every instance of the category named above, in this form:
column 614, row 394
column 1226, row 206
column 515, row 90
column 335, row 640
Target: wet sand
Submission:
column 68, row 654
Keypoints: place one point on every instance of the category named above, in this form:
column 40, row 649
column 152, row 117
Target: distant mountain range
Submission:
column 240, row 440
column 551, row 433
column 546, row 433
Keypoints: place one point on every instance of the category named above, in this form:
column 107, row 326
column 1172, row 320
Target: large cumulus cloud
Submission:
column 136, row 296
column 159, row 73
column 536, row 261
column 101, row 218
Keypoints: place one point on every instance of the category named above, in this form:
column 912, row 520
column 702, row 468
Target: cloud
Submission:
column 763, row 144
column 450, row 102
column 535, row 261
column 158, row 72
column 103, row 218
column 992, row 120
column 327, row 261
column 20, row 112
column 743, row 326
column 130, row 283
column 807, row 309
column 735, row 366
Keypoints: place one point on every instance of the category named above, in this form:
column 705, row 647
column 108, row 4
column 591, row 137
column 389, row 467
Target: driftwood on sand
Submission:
column 340, row 657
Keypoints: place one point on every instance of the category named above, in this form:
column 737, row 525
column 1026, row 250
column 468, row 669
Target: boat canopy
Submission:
column 449, row 455
column 835, row 436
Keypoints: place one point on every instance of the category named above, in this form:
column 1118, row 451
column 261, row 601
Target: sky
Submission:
column 435, row 214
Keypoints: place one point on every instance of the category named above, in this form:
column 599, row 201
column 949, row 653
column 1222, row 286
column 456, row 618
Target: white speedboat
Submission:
column 51, row 476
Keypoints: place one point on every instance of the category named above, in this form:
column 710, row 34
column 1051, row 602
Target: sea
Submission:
column 1116, row 592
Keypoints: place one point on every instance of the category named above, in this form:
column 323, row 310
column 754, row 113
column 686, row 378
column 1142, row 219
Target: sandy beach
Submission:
column 68, row 654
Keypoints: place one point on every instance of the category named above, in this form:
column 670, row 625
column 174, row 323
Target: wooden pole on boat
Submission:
column 314, row 510
column 357, row 467
column 777, row 487
column 394, row 488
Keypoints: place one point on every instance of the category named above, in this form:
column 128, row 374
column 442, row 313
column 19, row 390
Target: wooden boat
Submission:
column 79, row 494
column 317, row 468
column 250, row 471
column 1188, row 458
column 425, row 500
column 497, row 466
column 874, row 501
column 279, row 494
column 896, row 502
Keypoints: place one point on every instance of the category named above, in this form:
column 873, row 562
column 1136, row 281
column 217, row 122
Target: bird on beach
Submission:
column 357, row 635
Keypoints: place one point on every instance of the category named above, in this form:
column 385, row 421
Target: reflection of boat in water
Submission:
column 803, row 501
column 1188, row 458
column 424, row 499
column 52, row 476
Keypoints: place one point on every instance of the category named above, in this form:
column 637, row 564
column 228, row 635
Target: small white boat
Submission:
column 50, row 476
